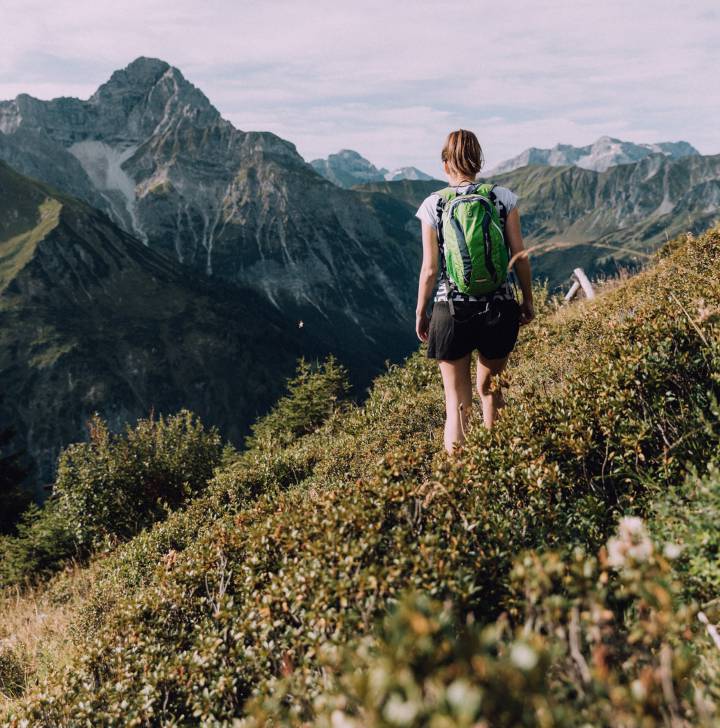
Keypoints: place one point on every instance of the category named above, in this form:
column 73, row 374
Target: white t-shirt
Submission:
column 427, row 212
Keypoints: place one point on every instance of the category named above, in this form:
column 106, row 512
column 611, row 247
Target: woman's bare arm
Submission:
column 426, row 282
column 522, row 264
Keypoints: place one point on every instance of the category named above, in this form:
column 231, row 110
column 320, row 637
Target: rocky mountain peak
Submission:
column 149, row 150
column 347, row 168
column 137, row 77
column 351, row 154
column 412, row 173
column 146, row 98
column 150, row 94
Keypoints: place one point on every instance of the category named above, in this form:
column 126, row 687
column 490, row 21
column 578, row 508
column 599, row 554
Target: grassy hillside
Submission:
column 347, row 574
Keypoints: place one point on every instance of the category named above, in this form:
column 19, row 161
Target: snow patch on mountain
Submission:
column 104, row 166
column 10, row 117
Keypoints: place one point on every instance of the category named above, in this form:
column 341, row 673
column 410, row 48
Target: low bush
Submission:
column 42, row 542
column 597, row 641
column 109, row 489
column 115, row 485
column 689, row 515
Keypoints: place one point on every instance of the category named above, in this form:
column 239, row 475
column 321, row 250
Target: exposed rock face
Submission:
column 92, row 320
column 598, row 220
column 406, row 173
column 606, row 152
column 149, row 149
column 347, row 168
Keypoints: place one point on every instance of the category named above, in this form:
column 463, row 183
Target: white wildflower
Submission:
column 523, row 656
column 633, row 542
column 338, row 719
column 400, row 711
column 672, row 550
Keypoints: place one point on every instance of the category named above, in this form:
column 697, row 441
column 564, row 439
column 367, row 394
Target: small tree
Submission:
column 314, row 393
column 43, row 542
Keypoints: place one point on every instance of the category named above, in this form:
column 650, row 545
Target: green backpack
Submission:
column 471, row 238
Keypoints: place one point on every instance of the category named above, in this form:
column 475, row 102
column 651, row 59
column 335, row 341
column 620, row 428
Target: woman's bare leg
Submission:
column 491, row 401
column 457, row 383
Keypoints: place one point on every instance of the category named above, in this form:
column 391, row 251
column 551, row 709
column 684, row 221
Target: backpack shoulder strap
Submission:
column 444, row 196
column 446, row 193
column 486, row 189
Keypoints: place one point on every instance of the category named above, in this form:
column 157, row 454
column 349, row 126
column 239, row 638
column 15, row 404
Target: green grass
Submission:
column 17, row 251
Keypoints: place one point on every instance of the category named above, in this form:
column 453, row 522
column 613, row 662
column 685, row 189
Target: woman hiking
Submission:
column 471, row 234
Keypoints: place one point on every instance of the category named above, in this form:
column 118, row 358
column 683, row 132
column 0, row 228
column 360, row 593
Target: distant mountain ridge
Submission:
column 348, row 168
column 252, row 239
column 604, row 153
column 599, row 220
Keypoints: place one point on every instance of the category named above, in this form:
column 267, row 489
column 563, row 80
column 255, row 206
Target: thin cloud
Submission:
column 390, row 79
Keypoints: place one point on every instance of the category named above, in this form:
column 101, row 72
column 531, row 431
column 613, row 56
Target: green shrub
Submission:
column 314, row 393
column 109, row 489
column 424, row 666
column 689, row 516
column 619, row 631
column 43, row 542
column 115, row 485
column 597, row 641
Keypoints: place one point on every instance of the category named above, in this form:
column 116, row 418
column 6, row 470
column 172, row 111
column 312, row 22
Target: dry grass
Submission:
column 36, row 636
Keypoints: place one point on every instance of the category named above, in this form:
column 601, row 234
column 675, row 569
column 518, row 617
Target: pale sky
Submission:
column 390, row 78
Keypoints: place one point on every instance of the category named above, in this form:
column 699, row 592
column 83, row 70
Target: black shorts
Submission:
column 491, row 330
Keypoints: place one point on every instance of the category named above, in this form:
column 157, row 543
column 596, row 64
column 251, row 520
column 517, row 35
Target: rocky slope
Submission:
column 406, row 173
column 604, row 153
column 600, row 220
column 93, row 320
column 348, row 168
column 149, row 149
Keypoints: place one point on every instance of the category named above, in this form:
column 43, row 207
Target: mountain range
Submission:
column 601, row 221
column 93, row 320
column 348, row 168
column 604, row 153
column 150, row 150
column 153, row 256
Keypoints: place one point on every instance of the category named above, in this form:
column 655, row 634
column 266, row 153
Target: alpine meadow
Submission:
column 231, row 494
